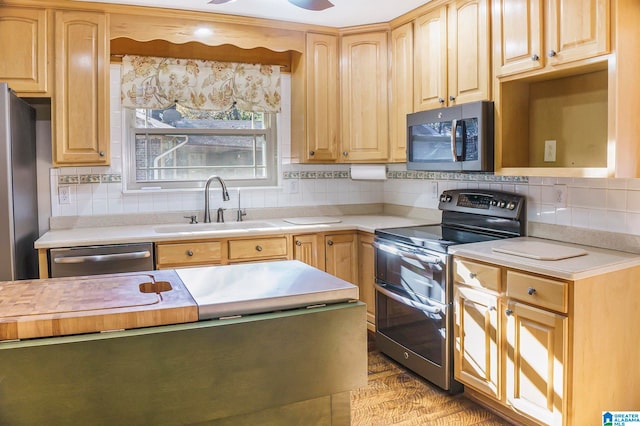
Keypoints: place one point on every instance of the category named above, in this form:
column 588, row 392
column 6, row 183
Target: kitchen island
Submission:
column 293, row 362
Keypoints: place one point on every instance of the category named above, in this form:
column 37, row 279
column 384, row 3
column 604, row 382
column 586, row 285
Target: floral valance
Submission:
column 158, row 83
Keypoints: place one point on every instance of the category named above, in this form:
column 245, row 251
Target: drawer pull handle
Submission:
column 508, row 312
column 189, row 252
column 330, row 243
column 535, row 57
column 473, row 275
column 531, row 291
column 258, row 248
column 298, row 243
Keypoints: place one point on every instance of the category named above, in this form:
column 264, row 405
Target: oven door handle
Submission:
column 410, row 302
column 408, row 254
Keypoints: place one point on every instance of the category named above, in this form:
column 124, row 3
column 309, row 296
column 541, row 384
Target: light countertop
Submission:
column 594, row 261
column 149, row 233
column 221, row 291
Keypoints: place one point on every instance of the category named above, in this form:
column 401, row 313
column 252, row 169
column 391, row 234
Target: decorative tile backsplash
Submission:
column 408, row 174
column 90, row 178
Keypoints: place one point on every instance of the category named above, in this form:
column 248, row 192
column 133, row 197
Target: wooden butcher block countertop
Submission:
column 62, row 306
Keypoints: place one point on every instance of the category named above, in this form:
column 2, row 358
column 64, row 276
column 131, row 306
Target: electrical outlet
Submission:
column 560, row 195
column 434, row 190
column 293, row 186
column 549, row 151
column 63, row 195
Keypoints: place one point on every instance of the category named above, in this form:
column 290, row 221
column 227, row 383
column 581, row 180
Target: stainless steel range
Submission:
column 414, row 300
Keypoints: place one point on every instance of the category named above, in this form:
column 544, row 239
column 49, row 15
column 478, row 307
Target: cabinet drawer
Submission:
column 538, row 291
column 209, row 252
column 476, row 274
column 258, row 248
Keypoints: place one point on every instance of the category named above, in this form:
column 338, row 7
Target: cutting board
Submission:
column 63, row 306
column 540, row 250
column 317, row 220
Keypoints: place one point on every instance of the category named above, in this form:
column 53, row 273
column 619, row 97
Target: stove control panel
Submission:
column 485, row 202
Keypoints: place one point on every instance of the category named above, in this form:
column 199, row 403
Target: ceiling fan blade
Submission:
column 312, row 4
column 219, row 1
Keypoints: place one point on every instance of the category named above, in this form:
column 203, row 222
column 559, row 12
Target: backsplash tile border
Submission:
column 334, row 174
column 89, row 178
column 409, row 174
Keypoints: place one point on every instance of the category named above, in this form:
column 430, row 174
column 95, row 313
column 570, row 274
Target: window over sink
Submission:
column 179, row 147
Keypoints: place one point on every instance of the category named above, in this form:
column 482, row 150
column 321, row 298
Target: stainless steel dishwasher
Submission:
column 104, row 259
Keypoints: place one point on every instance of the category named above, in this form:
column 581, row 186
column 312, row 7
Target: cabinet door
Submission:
column 534, row 362
column 469, row 51
column 308, row 249
column 401, row 90
column 82, row 89
column 366, row 277
column 430, row 60
column 518, row 36
column 365, row 116
column 322, row 109
column 23, row 43
column 476, row 340
column 341, row 254
column 577, row 29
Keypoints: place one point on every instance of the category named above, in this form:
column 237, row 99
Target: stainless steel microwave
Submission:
column 457, row 138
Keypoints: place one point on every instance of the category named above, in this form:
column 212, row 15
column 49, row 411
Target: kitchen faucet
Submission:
column 225, row 196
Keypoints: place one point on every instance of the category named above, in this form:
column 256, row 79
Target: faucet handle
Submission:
column 220, row 217
column 194, row 218
column 241, row 214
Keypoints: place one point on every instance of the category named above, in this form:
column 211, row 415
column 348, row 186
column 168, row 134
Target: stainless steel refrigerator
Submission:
column 18, row 188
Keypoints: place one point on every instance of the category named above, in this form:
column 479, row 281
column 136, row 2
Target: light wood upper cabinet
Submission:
column 25, row 56
column 518, row 35
column 577, row 29
column 365, row 111
column 452, row 55
column 401, row 90
column 430, row 60
column 469, row 51
column 82, row 89
column 533, row 34
column 315, row 79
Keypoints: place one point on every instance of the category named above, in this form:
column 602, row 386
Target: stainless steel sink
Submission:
column 211, row 227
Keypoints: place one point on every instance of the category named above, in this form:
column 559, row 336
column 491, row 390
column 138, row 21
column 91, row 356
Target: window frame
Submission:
column 129, row 154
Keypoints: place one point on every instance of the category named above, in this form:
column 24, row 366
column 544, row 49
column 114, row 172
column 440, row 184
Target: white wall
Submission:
column 603, row 204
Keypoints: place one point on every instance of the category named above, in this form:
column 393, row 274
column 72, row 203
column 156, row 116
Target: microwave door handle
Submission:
column 432, row 260
column 454, row 130
column 411, row 302
column 463, row 125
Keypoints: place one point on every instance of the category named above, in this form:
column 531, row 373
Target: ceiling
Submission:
column 345, row 13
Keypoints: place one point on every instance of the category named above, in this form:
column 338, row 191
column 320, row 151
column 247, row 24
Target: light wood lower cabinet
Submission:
column 535, row 361
column 546, row 351
column 258, row 249
column 476, row 331
column 193, row 253
column 335, row 253
column 367, row 276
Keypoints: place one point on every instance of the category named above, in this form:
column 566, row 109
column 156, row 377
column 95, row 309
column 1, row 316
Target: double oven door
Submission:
column 414, row 310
